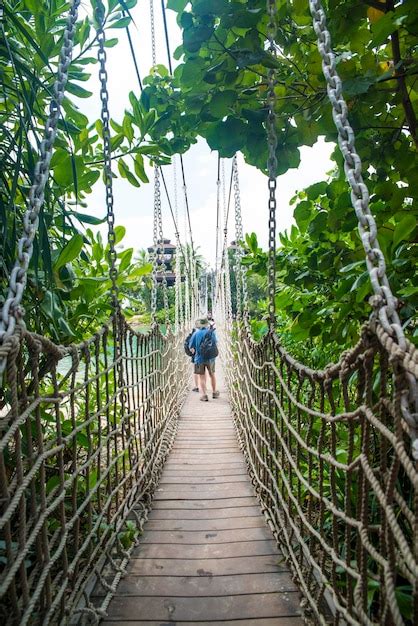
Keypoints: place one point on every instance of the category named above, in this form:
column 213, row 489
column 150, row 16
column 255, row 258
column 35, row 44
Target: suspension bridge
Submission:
column 288, row 499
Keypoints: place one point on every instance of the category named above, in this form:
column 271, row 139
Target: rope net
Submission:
column 84, row 432
column 329, row 456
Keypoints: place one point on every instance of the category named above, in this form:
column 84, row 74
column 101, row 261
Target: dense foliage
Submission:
column 219, row 91
column 61, row 298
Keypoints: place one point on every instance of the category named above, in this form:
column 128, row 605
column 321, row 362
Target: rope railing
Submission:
column 84, row 432
column 330, row 459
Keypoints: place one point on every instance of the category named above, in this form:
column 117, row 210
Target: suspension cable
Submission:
column 167, row 41
column 271, row 164
column 107, row 156
column 167, row 44
column 12, row 313
column 218, row 199
column 384, row 302
column 224, row 256
column 242, row 302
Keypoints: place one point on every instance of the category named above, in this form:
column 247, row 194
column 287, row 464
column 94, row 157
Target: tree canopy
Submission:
column 218, row 91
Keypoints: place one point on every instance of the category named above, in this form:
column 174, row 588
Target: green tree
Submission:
column 219, row 90
column 29, row 54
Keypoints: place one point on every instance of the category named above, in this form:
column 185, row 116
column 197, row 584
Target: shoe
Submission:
column 215, row 394
column 204, row 399
column 195, row 389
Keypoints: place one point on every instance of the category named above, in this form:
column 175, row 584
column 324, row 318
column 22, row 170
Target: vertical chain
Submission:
column 178, row 291
column 242, row 303
column 384, row 301
column 228, row 308
column 12, row 311
column 271, row 164
column 152, row 27
column 218, row 239
column 162, row 252
column 375, row 260
column 155, row 244
column 107, row 157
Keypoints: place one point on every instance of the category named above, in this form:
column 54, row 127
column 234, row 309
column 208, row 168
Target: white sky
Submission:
column 134, row 207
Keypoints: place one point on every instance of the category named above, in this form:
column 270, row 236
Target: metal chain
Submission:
column 161, row 253
column 228, row 307
column 107, row 154
column 384, row 301
column 12, row 312
column 178, row 294
column 272, row 164
column 152, row 26
column 375, row 260
column 239, row 234
column 157, row 198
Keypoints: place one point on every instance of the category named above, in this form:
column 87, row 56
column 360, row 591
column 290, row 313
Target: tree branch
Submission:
column 400, row 76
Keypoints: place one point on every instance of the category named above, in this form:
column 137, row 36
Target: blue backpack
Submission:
column 208, row 348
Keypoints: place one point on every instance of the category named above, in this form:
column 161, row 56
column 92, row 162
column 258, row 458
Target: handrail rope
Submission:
column 383, row 302
column 12, row 312
column 107, row 156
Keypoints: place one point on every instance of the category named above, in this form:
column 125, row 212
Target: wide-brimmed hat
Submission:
column 203, row 322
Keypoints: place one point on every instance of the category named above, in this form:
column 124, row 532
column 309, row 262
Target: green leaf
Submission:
column 111, row 43
column 87, row 219
column 70, row 251
column 403, row 229
column 139, row 168
column 122, row 23
column 227, row 137
column 221, row 102
column 78, row 91
column 120, row 232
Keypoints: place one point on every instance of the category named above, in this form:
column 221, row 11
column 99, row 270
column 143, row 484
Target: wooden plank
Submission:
column 206, row 524
column 275, row 621
column 206, row 514
column 271, row 605
column 206, row 567
column 206, row 556
column 205, row 586
column 168, row 479
column 206, row 537
column 204, row 473
column 216, row 551
column 188, row 463
column 202, row 491
column 223, row 503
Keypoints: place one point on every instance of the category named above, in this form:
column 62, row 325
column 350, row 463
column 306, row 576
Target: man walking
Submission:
column 203, row 344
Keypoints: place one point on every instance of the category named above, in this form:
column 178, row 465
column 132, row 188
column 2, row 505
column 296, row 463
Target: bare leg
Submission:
column 196, row 380
column 213, row 381
column 203, row 388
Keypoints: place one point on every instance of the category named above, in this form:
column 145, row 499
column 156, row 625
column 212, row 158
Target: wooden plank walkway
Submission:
column 207, row 555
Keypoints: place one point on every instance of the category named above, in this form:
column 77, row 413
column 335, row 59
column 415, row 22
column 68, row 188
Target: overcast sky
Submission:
column 134, row 207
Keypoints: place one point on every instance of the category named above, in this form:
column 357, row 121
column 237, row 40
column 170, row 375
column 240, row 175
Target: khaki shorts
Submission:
column 202, row 367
